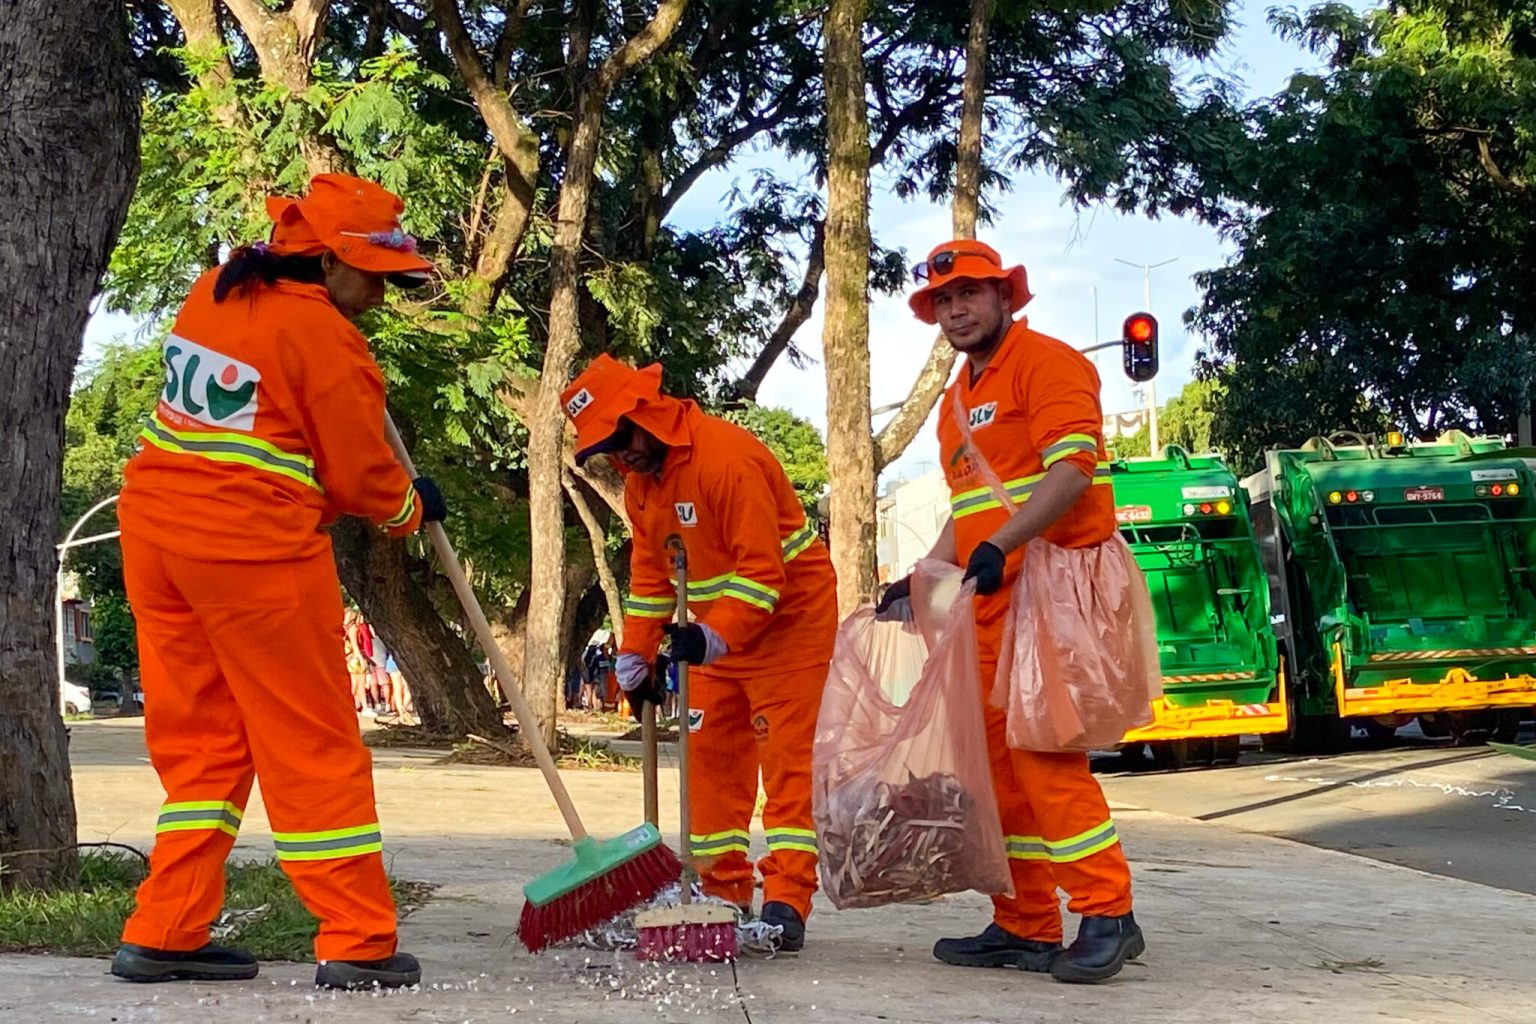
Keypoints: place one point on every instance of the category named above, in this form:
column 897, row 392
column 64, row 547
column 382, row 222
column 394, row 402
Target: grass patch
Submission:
column 262, row 913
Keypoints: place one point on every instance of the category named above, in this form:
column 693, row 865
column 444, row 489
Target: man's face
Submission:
column 972, row 314
column 638, row 450
column 354, row 292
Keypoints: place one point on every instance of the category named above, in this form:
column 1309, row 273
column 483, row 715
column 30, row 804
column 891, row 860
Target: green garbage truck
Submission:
column 1401, row 582
column 1186, row 520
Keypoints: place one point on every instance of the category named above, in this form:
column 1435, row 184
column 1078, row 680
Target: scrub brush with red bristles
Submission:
column 606, row 877
column 694, row 932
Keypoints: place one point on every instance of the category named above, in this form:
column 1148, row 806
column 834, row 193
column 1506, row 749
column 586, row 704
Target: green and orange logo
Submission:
column 209, row 387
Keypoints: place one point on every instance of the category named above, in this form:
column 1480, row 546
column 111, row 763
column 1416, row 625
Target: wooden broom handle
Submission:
column 499, row 664
column 680, row 567
column 648, row 746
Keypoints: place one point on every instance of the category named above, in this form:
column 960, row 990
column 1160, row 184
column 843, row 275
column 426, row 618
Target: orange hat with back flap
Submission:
column 964, row 259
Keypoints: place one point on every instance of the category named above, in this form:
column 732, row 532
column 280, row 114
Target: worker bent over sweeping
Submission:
column 1028, row 408
column 762, row 595
column 271, row 424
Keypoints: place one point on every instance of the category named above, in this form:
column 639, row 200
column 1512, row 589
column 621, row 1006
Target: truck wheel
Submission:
column 1379, row 733
column 1226, row 749
column 1435, row 727
column 1187, row 753
column 1506, row 724
column 1311, row 734
column 1471, row 728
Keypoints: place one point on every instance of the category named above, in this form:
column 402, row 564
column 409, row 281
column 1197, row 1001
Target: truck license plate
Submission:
column 1134, row 514
column 1424, row 494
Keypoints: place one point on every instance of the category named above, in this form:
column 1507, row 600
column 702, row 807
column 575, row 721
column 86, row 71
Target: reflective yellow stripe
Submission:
column 1084, row 844
column 968, row 503
column 1028, row 848
column 241, row 449
column 331, row 844
column 404, row 515
column 649, row 607
column 802, row 839
column 1068, row 445
column 715, row 843
column 196, row 815
column 797, row 542
column 732, row 585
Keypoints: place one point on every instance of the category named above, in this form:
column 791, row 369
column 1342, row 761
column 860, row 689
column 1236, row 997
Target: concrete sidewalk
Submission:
column 1240, row 928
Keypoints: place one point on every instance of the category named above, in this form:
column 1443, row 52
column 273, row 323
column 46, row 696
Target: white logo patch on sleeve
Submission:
column 209, row 387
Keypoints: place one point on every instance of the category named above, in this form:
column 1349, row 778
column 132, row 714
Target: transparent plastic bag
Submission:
column 901, row 784
column 1078, row 665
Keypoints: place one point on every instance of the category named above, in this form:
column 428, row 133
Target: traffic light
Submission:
column 1138, row 346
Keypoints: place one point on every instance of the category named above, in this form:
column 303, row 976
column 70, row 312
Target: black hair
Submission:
column 251, row 264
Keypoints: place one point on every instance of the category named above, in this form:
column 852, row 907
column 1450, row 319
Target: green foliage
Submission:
column 113, row 635
column 795, row 443
column 262, row 913
column 1385, row 271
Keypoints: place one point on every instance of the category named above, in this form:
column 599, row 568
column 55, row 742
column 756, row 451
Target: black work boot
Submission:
column 792, row 938
column 398, row 971
column 996, row 947
column 211, row 963
column 1102, row 947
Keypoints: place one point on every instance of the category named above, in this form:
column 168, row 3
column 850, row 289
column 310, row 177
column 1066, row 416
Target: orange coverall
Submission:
column 760, row 577
column 269, row 426
column 1036, row 404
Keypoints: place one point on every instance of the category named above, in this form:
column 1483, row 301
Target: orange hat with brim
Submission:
column 608, row 391
column 964, row 259
column 356, row 219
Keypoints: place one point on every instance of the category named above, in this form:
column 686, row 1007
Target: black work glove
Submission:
column 889, row 605
column 652, row 689
column 688, row 643
column 433, row 508
column 986, row 568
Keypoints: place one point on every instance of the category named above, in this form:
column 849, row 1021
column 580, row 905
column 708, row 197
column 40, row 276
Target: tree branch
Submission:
column 511, row 32
column 798, row 313
column 599, row 538
column 639, row 47
column 1514, row 186
column 717, row 154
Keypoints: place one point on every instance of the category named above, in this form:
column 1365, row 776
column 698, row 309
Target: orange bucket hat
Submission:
column 357, row 220
column 964, row 259
column 604, row 393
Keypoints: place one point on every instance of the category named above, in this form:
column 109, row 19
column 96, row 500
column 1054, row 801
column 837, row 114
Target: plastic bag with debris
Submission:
column 901, row 786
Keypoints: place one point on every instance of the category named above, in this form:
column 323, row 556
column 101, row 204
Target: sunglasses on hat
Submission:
column 942, row 264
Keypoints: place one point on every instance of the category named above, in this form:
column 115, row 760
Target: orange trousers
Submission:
column 738, row 728
column 1056, row 824
column 244, row 678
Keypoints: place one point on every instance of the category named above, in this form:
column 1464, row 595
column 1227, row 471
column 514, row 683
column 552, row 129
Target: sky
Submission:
column 1068, row 255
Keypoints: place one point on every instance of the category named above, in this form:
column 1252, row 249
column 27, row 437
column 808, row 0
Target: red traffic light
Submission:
column 1138, row 346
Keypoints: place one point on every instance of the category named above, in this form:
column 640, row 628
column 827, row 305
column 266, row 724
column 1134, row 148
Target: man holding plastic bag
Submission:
column 1020, row 440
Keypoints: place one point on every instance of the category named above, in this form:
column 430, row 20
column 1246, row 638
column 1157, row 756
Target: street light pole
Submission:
column 1146, row 298
column 58, row 583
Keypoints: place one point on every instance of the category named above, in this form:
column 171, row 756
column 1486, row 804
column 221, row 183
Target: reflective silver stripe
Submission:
column 650, row 607
column 715, row 843
column 798, row 541
column 197, row 815
column 404, row 515
column 1061, row 449
column 802, row 839
column 296, row 467
column 330, row 845
column 1028, row 848
column 1084, row 844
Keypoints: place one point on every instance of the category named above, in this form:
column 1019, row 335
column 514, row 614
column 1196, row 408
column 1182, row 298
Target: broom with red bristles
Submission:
column 605, row 877
column 692, row 932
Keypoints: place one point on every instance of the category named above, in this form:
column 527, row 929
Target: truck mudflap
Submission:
column 1215, row 718
column 1457, row 690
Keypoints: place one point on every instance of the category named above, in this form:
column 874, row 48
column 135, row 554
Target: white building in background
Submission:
column 911, row 514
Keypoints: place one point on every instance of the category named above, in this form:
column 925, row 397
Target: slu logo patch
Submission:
column 209, row 387
column 695, row 719
column 983, row 415
column 578, row 403
column 687, row 514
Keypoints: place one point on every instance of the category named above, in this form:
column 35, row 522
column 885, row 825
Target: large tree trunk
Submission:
column 444, row 675
column 543, row 675
column 932, row 378
column 69, row 133
column 845, row 336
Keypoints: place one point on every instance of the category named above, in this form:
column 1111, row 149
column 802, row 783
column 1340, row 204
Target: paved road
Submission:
column 1462, row 812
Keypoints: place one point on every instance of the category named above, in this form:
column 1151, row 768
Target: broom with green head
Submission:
column 605, row 877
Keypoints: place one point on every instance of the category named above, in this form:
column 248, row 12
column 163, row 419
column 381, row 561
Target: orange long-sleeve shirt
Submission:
column 758, row 574
column 1035, row 404
column 270, row 425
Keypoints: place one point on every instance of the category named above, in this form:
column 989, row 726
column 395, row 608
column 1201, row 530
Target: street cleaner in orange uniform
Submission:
column 763, row 598
column 270, row 426
column 1032, row 405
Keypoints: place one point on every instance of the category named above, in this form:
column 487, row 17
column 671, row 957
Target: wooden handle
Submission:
column 680, row 568
column 499, row 664
column 648, row 748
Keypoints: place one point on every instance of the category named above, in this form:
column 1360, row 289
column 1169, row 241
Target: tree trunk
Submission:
column 932, row 378
column 443, row 673
column 543, row 676
column 597, row 535
column 845, row 336
column 69, row 132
